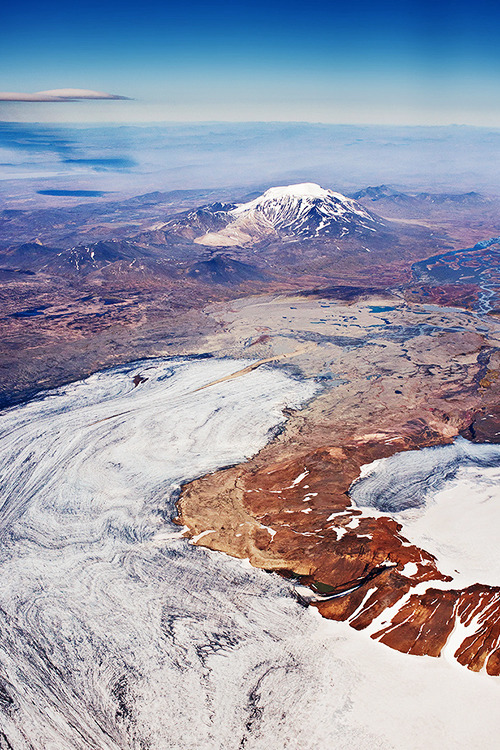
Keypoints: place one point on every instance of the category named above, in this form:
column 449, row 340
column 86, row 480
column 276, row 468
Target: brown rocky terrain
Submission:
column 100, row 284
column 393, row 375
column 288, row 509
column 70, row 306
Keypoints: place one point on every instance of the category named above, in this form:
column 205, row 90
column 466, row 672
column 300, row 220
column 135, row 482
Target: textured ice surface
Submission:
column 405, row 480
column 448, row 501
column 108, row 622
column 461, row 526
column 116, row 633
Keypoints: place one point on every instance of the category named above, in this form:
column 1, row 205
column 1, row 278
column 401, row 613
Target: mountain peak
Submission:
column 302, row 192
column 302, row 211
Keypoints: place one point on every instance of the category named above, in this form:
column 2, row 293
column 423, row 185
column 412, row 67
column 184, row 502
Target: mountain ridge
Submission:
column 298, row 211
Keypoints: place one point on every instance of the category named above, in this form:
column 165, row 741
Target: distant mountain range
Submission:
column 285, row 232
column 385, row 193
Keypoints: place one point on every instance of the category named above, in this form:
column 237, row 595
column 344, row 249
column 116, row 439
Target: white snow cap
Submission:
column 299, row 199
column 302, row 192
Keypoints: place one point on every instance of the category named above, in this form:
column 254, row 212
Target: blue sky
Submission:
column 378, row 62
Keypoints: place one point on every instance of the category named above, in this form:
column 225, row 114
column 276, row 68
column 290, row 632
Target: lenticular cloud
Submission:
column 57, row 95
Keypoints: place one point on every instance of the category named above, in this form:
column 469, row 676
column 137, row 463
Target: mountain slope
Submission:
column 297, row 212
column 292, row 233
column 28, row 256
column 222, row 269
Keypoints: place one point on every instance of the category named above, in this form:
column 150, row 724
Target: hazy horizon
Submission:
column 132, row 159
column 417, row 63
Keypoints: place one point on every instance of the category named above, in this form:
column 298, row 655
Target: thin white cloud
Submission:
column 57, row 95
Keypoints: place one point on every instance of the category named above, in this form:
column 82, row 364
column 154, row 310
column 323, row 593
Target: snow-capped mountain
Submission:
column 303, row 211
column 305, row 208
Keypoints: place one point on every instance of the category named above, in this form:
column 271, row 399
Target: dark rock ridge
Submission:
column 222, row 269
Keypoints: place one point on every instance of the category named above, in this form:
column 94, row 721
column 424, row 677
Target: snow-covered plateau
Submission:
column 448, row 500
